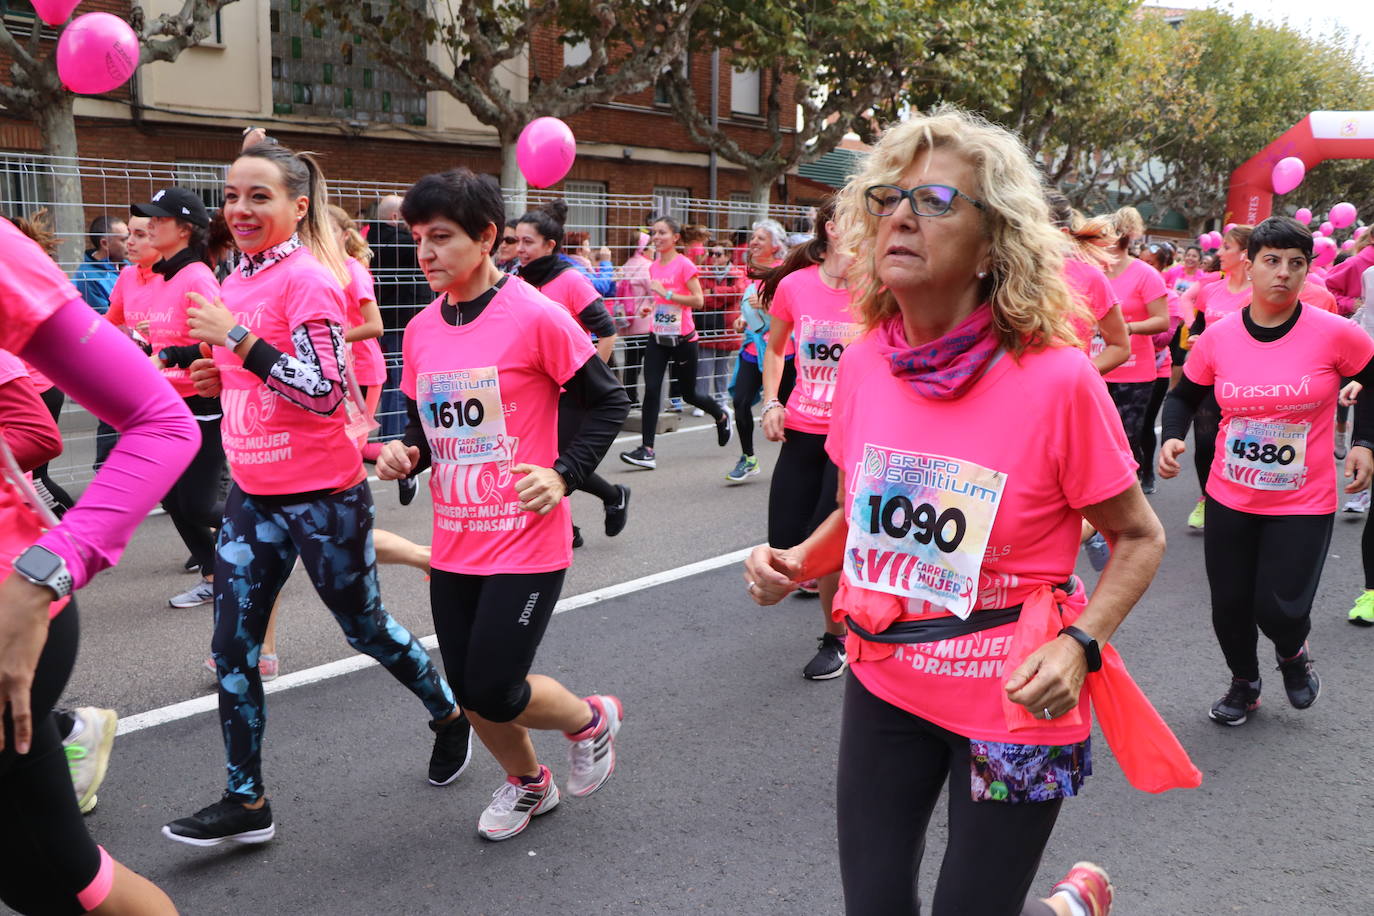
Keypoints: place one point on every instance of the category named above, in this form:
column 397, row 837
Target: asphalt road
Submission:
column 723, row 799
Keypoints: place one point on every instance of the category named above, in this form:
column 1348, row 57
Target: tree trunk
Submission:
column 58, row 127
column 512, row 180
column 760, row 194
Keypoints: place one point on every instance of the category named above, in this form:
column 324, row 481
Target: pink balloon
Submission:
column 96, row 53
column 1303, row 216
column 1204, row 241
column 1216, row 238
column 1327, row 228
column 1347, row 244
column 54, row 12
column 1317, row 234
column 1229, row 227
column 1342, row 215
column 1360, row 231
column 1288, row 174
column 545, row 151
column 1325, row 250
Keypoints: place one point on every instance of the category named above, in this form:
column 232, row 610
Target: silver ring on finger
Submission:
column 750, row 587
column 1047, row 713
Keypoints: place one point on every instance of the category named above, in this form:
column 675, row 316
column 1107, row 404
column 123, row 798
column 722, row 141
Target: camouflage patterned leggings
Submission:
column 258, row 546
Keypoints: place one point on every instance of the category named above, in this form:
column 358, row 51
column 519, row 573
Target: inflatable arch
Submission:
column 1320, row 136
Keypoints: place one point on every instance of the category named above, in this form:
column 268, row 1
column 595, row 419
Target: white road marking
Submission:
column 187, row 708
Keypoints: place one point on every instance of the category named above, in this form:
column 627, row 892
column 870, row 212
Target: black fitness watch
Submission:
column 43, row 567
column 1090, row 647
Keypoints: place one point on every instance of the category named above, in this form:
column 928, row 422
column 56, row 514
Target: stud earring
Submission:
column 982, row 274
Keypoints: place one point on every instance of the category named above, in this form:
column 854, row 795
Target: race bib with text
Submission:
column 1266, row 454
column 462, row 416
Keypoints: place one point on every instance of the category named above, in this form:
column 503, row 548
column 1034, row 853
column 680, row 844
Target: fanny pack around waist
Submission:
column 907, row 632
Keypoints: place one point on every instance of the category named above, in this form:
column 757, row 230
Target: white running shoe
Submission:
column 203, row 592
column 515, row 804
column 1357, row 502
column 593, row 759
column 88, row 754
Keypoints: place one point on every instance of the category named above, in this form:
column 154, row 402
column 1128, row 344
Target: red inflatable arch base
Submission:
column 1320, row 136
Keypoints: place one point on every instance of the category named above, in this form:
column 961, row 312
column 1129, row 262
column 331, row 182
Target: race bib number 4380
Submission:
column 919, row 525
column 1266, row 454
column 462, row 416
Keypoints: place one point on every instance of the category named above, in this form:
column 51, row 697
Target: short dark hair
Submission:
column 472, row 201
column 1281, row 232
column 99, row 228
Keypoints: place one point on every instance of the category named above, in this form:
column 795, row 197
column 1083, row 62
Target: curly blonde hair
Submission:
column 1031, row 301
column 355, row 246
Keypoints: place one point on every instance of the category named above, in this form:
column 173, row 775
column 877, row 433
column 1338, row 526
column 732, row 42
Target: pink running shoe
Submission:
column 1091, row 885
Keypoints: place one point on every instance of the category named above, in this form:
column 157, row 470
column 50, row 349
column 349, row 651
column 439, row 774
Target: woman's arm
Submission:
column 1112, row 327
column 371, row 327
column 774, row 361
column 1157, row 322
column 694, row 298
column 28, row 428
column 771, row 574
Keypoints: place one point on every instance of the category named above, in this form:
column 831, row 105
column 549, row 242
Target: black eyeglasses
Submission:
column 509, row 241
column 926, row 199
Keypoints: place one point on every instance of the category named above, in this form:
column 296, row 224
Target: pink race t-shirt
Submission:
column 1178, row 278
column 669, row 318
column 487, row 393
column 1215, row 301
column 129, row 298
column 273, row 445
column 971, row 502
column 369, row 365
column 1315, row 294
column 1136, row 287
column 1094, row 293
column 166, row 305
column 572, row 291
column 822, row 327
column 1278, row 402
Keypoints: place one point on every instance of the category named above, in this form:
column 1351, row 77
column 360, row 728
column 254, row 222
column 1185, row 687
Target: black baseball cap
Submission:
column 177, row 203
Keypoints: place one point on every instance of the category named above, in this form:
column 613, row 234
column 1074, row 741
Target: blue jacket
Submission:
column 95, row 279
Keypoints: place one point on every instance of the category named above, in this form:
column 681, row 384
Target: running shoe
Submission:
column 409, row 486
column 1147, row 484
column 1300, row 679
column 675, row 405
column 1362, row 614
column 515, row 804
column 226, row 821
column 577, row 537
column 830, row 660
column 88, row 754
column 617, row 515
column 452, row 750
column 269, row 667
column 698, row 412
column 641, row 457
column 723, row 430
column 1098, row 551
column 191, row 566
column 808, row 588
column 593, row 759
column 1198, row 516
column 1090, row 887
column 1235, row 707
column 746, row 467
column 203, row 592
column 1357, row 503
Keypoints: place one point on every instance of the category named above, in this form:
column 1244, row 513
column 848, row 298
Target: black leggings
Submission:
column 46, row 856
column 892, row 767
column 1148, row 440
column 489, row 628
column 803, row 491
column 1131, row 400
column 194, row 503
column 748, row 384
column 570, row 419
column 1206, row 423
column 683, row 357
column 54, row 399
column 1263, row 571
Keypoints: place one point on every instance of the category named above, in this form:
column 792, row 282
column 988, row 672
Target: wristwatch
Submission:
column 1090, row 647
column 43, row 567
column 235, row 336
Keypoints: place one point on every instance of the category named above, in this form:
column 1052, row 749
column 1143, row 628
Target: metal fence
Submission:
column 612, row 223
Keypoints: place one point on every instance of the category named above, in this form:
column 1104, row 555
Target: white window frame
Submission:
column 746, row 93
column 671, row 201
column 587, row 209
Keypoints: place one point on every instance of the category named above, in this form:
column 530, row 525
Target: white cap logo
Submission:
column 158, row 196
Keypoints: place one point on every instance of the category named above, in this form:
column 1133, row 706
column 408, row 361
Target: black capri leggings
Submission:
column 803, row 491
column 892, row 767
column 683, row 357
column 489, row 629
column 47, row 859
column 748, row 384
column 1263, row 571
column 1132, row 399
column 194, row 502
column 1148, row 439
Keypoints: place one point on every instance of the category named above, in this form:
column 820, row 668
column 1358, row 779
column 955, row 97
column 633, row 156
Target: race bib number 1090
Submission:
column 919, row 525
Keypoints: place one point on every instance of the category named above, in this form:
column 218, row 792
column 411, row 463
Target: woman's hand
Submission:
column 1350, row 394
column 396, row 460
column 1359, row 466
column 1049, row 679
column 738, row 324
column 209, row 321
column 645, row 311
column 142, row 328
column 23, row 631
column 770, row 575
column 775, row 424
column 1168, row 466
column 205, row 374
column 658, row 289
column 540, row 490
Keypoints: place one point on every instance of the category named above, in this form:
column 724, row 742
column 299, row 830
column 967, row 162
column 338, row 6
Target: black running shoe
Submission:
column 641, row 457
column 409, row 487
column 723, row 430
column 577, row 537
column 226, row 821
column 830, row 659
column 452, row 750
column 617, row 515
column 1300, row 680
column 1235, row 707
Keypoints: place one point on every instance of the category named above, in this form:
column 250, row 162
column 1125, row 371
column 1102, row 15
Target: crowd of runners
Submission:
column 969, row 382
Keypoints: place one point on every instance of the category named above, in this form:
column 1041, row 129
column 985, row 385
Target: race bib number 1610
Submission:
column 919, row 525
